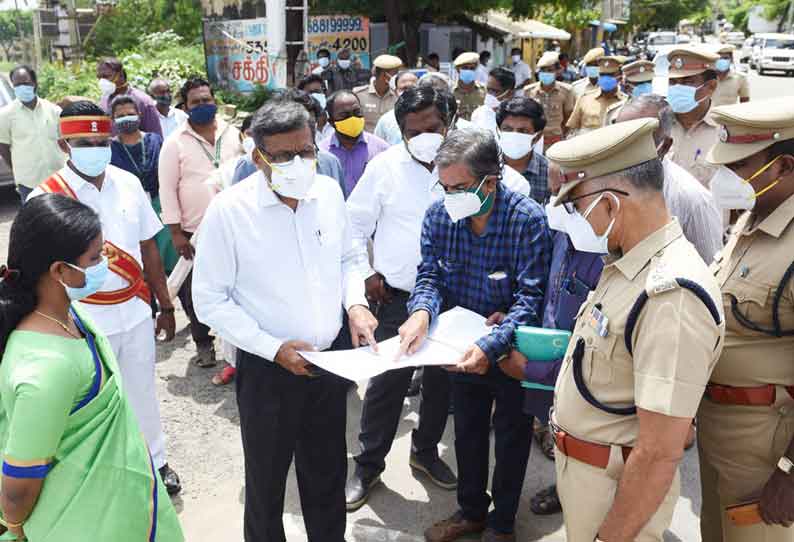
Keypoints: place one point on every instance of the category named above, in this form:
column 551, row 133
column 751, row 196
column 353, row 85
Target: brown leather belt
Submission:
column 596, row 455
column 752, row 396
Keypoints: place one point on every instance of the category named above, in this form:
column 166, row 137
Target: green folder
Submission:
column 541, row 345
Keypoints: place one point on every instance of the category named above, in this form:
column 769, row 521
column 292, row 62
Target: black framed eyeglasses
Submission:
column 309, row 153
column 571, row 208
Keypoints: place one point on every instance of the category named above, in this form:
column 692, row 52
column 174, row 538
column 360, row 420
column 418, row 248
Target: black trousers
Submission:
column 199, row 332
column 383, row 401
column 281, row 416
column 474, row 397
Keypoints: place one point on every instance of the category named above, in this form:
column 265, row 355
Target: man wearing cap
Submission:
column 693, row 79
column 733, row 86
column 557, row 98
column 520, row 68
column 589, row 83
column 468, row 92
column 378, row 97
column 746, row 420
column 592, row 109
column 644, row 343
column 638, row 77
column 129, row 224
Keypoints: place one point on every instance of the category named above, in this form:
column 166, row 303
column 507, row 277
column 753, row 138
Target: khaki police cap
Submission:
column 640, row 71
column 622, row 59
column 388, row 62
column 602, row 152
column 687, row 61
column 467, row 58
column 724, row 49
column 593, row 55
column 750, row 127
column 608, row 65
column 548, row 60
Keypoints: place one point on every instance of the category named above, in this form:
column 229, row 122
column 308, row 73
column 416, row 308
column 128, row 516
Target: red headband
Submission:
column 85, row 126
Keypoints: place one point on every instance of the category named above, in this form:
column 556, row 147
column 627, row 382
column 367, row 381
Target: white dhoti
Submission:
column 135, row 352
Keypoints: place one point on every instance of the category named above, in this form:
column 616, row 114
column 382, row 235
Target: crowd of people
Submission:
column 655, row 229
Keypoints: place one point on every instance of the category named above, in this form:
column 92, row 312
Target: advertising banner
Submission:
column 337, row 32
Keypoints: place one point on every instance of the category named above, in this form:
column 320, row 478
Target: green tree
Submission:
column 648, row 14
column 14, row 25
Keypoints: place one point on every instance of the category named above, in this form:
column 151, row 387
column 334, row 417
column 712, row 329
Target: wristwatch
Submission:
column 785, row 464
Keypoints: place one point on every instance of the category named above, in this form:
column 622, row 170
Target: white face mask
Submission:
column 344, row 64
column 583, row 236
column 516, row 145
column 557, row 216
column 293, row 179
column 731, row 191
column 424, row 147
column 516, row 59
column 106, row 87
column 249, row 146
column 461, row 205
column 491, row 101
column 323, row 61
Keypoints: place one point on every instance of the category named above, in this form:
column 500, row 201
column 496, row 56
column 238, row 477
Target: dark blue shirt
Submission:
column 537, row 175
column 502, row 270
column 140, row 160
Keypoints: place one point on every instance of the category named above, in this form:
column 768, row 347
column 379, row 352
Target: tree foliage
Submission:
column 14, row 25
column 649, row 14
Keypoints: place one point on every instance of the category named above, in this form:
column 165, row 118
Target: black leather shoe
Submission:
column 357, row 491
column 170, row 480
column 438, row 472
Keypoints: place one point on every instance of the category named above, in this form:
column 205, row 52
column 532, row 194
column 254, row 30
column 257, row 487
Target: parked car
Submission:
column 774, row 52
column 6, row 97
column 734, row 38
column 657, row 40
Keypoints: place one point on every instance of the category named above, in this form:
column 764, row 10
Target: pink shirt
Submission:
column 186, row 161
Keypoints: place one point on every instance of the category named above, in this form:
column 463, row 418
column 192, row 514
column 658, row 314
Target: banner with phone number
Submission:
column 337, row 32
column 236, row 53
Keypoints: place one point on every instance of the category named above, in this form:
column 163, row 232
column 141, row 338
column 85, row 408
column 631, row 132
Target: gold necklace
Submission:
column 64, row 326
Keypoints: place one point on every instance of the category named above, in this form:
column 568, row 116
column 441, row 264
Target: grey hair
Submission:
column 277, row 117
column 660, row 105
column 477, row 148
column 437, row 80
column 647, row 176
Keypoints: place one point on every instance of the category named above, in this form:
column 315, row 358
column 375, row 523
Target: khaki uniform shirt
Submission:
column 729, row 90
column 749, row 269
column 374, row 106
column 557, row 105
column 582, row 87
column 691, row 146
column 676, row 342
column 590, row 111
column 469, row 101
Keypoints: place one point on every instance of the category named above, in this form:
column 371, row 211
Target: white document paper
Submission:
column 450, row 336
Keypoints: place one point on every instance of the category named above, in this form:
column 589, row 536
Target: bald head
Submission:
column 158, row 86
column 655, row 107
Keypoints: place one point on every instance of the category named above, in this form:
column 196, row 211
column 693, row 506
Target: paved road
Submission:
column 204, row 447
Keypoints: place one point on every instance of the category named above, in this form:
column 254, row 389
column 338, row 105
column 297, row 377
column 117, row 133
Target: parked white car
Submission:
column 658, row 40
column 773, row 52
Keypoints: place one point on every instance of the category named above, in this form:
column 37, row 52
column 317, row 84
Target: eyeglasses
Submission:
column 571, row 208
column 309, row 153
column 458, row 189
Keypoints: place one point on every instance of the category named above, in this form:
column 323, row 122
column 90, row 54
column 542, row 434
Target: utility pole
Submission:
column 74, row 31
column 297, row 18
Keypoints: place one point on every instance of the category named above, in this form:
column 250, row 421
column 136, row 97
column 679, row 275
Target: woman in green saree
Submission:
column 75, row 464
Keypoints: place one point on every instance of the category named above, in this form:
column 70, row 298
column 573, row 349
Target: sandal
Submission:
column 225, row 376
column 546, row 502
column 545, row 439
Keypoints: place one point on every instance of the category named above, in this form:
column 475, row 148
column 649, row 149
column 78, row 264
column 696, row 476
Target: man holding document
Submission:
column 484, row 248
column 274, row 267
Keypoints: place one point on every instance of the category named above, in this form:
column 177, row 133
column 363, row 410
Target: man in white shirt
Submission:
column 520, row 68
column 484, row 67
column 122, row 308
column 390, row 202
column 171, row 118
column 274, row 267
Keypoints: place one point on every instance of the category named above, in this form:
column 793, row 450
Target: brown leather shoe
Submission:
column 453, row 528
column 494, row 536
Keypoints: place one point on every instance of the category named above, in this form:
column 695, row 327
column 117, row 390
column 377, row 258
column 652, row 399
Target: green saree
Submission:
column 64, row 418
column 164, row 243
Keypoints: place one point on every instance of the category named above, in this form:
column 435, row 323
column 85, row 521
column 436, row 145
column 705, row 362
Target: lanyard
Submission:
column 142, row 169
column 217, row 159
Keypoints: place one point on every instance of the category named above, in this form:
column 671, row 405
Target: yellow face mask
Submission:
column 351, row 126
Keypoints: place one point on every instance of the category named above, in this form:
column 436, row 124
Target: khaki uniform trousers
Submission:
column 739, row 449
column 587, row 494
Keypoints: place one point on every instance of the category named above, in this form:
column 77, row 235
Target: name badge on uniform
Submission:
column 598, row 321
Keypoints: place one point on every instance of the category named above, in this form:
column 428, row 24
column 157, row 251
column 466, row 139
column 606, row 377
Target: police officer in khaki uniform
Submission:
column 378, row 97
column 637, row 78
column 469, row 93
column 746, row 420
column 591, row 110
column 590, row 82
column 645, row 341
column 556, row 98
column 693, row 79
column 733, row 86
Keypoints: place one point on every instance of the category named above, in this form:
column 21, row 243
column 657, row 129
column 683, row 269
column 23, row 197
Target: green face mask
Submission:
column 486, row 203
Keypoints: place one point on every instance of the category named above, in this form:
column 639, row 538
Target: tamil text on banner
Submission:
column 237, row 56
column 337, row 32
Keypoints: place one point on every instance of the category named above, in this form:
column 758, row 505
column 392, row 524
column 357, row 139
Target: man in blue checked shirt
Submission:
column 487, row 249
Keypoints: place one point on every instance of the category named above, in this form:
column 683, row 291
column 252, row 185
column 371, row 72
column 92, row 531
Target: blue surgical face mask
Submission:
column 607, row 83
column 319, row 98
column 25, row 93
column 203, row 114
column 723, row 65
column 641, row 88
column 467, row 76
column 592, row 71
column 682, row 98
column 90, row 161
column 547, row 78
column 95, row 277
